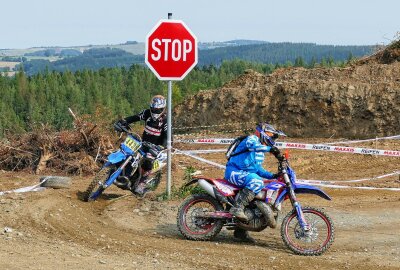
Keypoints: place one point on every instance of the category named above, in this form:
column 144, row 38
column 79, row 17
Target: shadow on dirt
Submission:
column 224, row 237
column 104, row 196
column 168, row 230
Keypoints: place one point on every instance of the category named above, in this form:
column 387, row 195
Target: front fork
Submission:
column 114, row 176
column 295, row 203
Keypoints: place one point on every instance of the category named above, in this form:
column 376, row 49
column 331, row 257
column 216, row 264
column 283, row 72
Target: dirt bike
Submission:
column 304, row 230
column 123, row 166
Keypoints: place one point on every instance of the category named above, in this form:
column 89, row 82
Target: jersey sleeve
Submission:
column 264, row 173
column 254, row 145
column 137, row 117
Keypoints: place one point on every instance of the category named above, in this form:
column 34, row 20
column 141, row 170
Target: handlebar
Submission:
column 282, row 164
column 153, row 148
column 118, row 126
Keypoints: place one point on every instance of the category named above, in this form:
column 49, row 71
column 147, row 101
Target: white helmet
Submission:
column 157, row 106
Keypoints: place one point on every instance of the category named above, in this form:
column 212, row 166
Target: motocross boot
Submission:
column 141, row 187
column 243, row 235
column 243, row 199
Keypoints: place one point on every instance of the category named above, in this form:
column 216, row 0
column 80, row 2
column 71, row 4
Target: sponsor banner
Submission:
column 340, row 149
column 206, row 141
column 305, row 146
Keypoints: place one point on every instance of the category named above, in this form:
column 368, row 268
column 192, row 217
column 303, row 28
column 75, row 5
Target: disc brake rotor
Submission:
column 308, row 236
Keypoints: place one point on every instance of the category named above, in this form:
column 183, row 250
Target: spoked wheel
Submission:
column 191, row 221
column 95, row 189
column 313, row 241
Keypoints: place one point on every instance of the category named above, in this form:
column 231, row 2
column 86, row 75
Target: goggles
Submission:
column 157, row 110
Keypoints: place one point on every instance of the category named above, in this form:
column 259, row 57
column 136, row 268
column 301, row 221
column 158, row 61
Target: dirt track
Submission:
column 53, row 229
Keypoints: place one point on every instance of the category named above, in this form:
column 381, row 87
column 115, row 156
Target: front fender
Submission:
column 116, row 157
column 308, row 189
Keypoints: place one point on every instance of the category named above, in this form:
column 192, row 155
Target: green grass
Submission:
column 183, row 191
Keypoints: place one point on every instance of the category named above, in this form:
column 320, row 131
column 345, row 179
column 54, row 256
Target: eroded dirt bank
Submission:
column 360, row 100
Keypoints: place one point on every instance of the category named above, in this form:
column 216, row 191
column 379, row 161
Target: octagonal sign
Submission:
column 171, row 50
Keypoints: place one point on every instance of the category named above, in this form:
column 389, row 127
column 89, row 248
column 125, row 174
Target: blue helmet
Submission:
column 157, row 106
column 267, row 133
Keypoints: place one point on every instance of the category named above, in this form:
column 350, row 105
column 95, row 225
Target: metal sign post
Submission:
column 171, row 53
column 169, row 134
column 169, row 139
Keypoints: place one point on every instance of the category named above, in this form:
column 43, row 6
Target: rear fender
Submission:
column 304, row 189
column 193, row 181
column 196, row 179
column 209, row 185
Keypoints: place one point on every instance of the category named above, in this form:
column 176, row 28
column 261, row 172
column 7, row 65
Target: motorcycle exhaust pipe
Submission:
column 268, row 213
column 207, row 187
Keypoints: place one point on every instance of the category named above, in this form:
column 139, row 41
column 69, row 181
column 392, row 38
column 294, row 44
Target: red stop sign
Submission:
column 171, row 50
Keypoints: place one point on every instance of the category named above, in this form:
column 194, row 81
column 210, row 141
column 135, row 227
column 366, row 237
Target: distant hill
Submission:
column 132, row 47
column 230, row 43
column 280, row 53
column 210, row 53
column 92, row 59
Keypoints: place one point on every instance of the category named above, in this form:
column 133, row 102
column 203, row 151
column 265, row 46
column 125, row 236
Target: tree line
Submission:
column 28, row 101
column 282, row 52
column 265, row 53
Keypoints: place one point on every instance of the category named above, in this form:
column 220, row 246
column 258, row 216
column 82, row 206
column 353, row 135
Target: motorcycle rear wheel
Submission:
column 199, row 228
column 313, row 242
column 95, row 188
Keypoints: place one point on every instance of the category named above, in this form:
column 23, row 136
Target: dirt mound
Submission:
column 387, row 55
column 360, row 100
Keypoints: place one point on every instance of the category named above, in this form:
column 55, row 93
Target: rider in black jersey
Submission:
column 155, row 132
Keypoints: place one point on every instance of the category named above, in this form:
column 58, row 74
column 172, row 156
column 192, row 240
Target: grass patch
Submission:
column 183, row 191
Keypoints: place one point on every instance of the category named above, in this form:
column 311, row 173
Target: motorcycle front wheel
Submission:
column 189, row 220
column 95, row 188
column 313, row 241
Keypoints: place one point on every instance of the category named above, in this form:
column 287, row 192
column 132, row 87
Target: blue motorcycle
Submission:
column 123, row 166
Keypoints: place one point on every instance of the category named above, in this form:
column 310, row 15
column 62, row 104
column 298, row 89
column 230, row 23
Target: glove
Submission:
column 275, row 151
column 276, row 175
column 119, row 124
column 117, row 127
column 280, row 157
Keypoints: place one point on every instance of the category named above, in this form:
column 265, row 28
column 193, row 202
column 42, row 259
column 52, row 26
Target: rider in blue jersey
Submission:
column 244, row 168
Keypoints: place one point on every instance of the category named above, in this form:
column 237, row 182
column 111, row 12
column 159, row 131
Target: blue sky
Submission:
column 27, row 23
